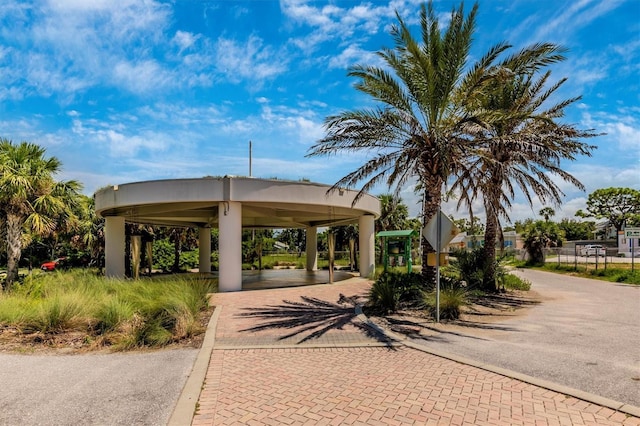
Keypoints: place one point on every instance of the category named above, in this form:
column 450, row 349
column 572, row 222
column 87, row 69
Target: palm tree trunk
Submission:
column 489, row 250
column 14, row 247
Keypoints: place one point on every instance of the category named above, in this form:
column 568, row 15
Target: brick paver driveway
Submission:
column 302, row 356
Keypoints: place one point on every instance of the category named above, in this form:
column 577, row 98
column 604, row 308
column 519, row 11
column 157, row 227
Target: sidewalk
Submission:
column 302, row 356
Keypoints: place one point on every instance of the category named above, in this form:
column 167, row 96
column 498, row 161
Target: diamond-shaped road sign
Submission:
column 447, row 231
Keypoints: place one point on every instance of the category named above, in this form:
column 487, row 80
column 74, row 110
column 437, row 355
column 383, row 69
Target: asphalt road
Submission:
column 139, row 388
column 585, row 335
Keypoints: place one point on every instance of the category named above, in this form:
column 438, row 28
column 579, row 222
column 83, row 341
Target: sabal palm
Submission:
column 519, row 144
column 30, row 197
column 393, row 213
column 423, row 91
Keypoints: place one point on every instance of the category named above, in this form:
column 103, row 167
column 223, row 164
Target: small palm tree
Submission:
column 417, row 129
column 537, row 237
column 393, row 213
column 30, row 197
column 547, row 213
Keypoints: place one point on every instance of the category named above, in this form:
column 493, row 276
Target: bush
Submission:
column 468, row 266
column 393, row 287
column 164, row 256
column 125, row 314
column 452, row 299
column 512, row 282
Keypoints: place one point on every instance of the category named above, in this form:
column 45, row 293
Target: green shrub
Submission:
column 513, row 282
column 452, row 299
column 58, row 313
column 384, row 296
column 111, row 314
column 469, row 266
column 392, row 287
column 164, row 257
column 123, row 313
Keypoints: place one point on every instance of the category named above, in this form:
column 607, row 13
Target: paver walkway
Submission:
column 301, row 356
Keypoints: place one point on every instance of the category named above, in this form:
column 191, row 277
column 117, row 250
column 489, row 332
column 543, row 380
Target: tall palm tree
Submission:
column 416, row 131
column 519, row 142
column 30, row 197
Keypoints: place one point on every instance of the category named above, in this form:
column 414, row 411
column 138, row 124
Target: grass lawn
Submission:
column 78, row 308
column 270, row 261
column 621, row 273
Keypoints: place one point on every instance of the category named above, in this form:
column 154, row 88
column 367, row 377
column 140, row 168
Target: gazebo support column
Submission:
column 114, row 246
column 366, row 229
column 230, row 256
column 204, row 249
column 312, row 248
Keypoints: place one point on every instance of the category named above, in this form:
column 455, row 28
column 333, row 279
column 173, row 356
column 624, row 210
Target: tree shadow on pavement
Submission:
column 416, row 327
column 312, row 318
column 503, row 302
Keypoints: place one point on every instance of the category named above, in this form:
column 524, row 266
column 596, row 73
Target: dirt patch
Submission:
column 78, row 342
column 482, row 317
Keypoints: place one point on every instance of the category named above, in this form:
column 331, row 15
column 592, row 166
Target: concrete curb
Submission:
column 576, row 393
column 186, row 406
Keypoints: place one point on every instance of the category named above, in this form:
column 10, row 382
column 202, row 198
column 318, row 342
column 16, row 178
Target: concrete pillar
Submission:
column 312, row 248
column 366, row 229
column 230, row 257
column 204, row 249
column 114, row 247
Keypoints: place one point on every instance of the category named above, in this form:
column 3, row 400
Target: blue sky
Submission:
column 132, row 90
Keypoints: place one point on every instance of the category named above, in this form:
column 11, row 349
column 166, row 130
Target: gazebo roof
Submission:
column 266, row 203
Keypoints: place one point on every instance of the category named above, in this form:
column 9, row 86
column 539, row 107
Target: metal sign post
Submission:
column 439, row 231
column 438, row 243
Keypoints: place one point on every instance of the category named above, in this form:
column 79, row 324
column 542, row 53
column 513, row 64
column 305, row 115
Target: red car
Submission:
column 52, row 264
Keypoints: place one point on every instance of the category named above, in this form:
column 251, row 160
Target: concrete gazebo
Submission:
column 231, row 204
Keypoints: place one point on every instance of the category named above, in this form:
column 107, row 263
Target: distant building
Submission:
column 628, row 247
column 512, row 240
column 280, row 246
column 605, row 231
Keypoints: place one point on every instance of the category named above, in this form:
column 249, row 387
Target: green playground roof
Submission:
column 401, row 233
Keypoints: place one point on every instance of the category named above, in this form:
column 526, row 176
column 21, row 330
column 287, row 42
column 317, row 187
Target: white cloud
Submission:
column 332, row 22
column 251, row 60
column 141, row 77
column 623, row 130
column 577, row 15
column 353, row 55
column 184, row 40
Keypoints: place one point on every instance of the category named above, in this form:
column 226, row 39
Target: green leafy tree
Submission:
column 295, row 238
column 470, row 226
column 538, row 236
column 31, row 200
column 577, row 230
column 423, row 93
column 617, row 205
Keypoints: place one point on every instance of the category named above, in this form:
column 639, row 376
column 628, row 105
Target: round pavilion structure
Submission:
column 232, row 204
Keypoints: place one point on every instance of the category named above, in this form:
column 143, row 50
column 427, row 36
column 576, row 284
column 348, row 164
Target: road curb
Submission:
column 565, row 390
column 186, row 406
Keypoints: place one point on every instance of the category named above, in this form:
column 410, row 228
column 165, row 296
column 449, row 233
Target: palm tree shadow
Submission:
column 312, row 318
